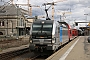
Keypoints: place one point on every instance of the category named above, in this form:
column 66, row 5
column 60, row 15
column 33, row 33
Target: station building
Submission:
column 13, row 22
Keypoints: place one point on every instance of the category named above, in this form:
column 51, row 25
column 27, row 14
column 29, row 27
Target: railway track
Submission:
column 38, row 57
column 33, row 56
column 12, row 54
column 30, row 56
column 8, row 55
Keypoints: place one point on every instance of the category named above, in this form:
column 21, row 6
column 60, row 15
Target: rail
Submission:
column 8, row 55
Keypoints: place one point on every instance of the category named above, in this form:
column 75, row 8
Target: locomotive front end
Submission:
column 41, row 38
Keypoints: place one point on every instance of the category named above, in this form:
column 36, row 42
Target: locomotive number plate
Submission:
column 41, row 41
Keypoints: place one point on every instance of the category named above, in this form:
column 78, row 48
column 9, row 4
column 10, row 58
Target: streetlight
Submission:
column 17, row 23
column 60, row 17
column 86, row 16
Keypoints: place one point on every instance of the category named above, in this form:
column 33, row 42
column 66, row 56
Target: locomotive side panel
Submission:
column 64, row 34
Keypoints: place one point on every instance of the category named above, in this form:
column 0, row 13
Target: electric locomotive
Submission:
column 47, row 35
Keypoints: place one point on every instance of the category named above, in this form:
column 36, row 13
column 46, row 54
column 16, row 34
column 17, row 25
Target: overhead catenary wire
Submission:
column 41, row 10
column 41, row 6
column 5, row 5
column 45, row 1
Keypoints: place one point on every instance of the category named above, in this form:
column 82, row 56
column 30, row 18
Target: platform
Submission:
column 78, row 49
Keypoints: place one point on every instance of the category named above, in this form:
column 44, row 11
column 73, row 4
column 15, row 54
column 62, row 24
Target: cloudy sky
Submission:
column 77, row 8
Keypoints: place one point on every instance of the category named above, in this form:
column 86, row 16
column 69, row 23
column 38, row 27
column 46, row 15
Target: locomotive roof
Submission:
column 45, row 21
column 63, row 23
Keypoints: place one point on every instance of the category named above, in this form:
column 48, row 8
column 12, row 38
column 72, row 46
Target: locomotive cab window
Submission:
column 42, row 27
column 36, row 27
column 47, row 27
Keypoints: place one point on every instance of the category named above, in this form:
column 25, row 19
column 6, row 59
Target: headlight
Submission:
column 30, row 41
column 53, row 36
column 53, row 40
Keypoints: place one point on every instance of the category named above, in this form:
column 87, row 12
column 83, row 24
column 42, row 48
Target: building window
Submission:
column 2, row 23
column 1, row 33
column 21, row 22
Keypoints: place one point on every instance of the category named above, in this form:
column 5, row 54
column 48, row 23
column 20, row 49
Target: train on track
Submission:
column 49, row 35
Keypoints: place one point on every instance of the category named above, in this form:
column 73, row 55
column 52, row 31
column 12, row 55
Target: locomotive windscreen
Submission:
column 42, row 30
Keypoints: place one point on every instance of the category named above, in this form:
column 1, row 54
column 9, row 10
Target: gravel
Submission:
column 5, row 44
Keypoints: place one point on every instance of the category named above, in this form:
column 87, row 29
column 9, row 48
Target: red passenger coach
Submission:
column 72, row 32
column 69, row 32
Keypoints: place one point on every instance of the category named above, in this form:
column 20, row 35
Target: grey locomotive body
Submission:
column 47, row 35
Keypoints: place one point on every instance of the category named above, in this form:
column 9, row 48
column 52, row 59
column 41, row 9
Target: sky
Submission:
column 74, row 10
